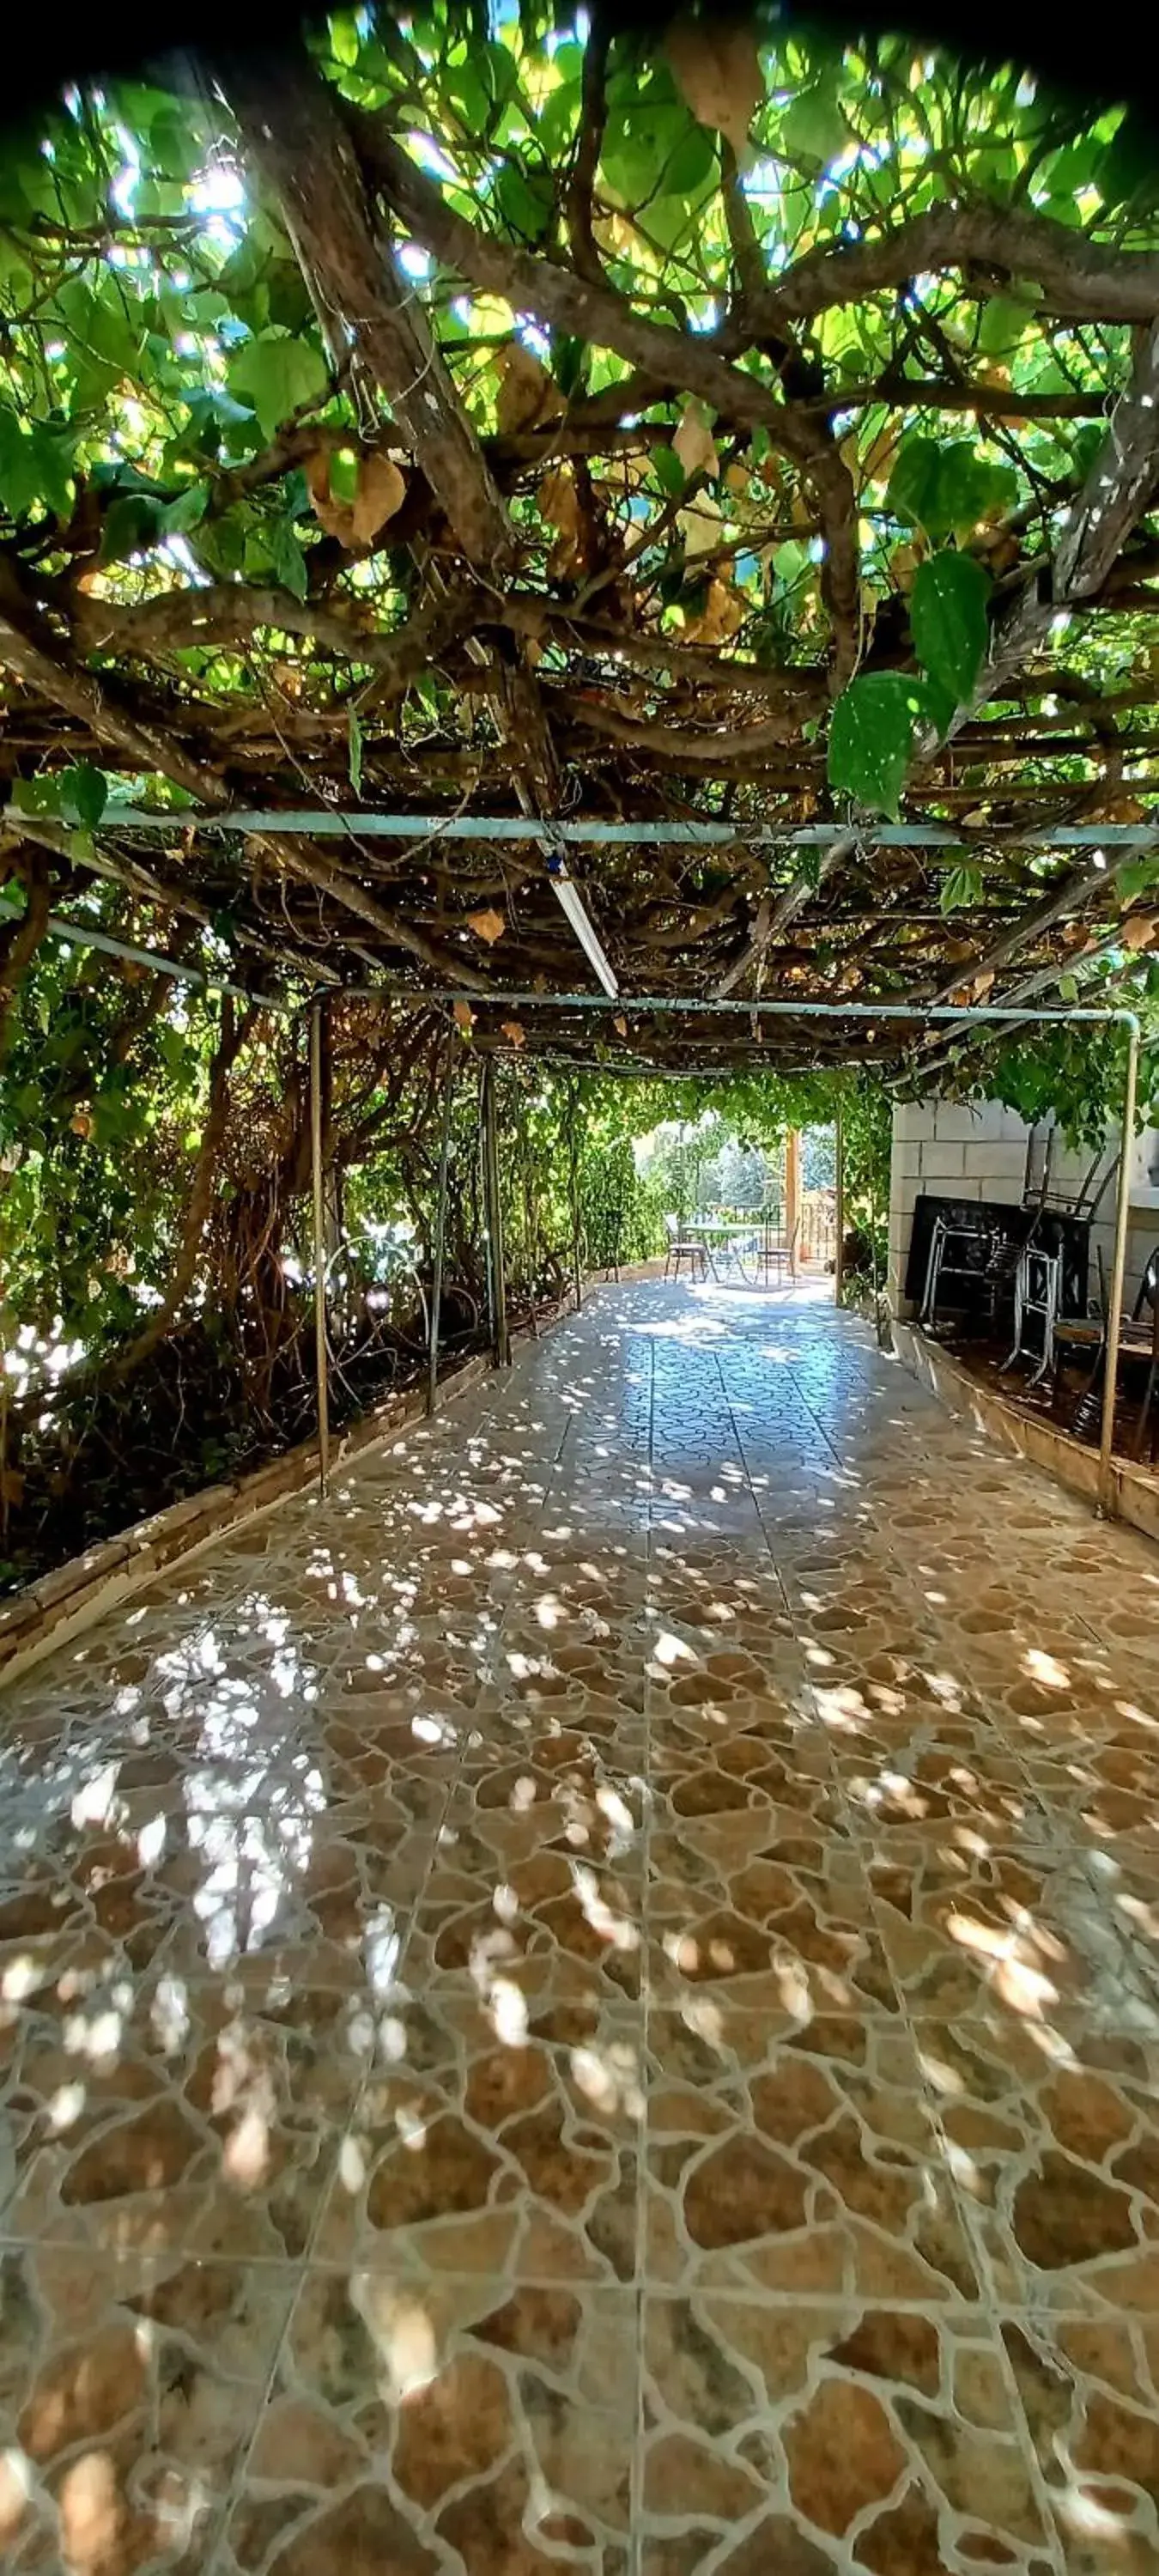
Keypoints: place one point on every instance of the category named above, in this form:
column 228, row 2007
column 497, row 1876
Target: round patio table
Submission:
column 746, row 1246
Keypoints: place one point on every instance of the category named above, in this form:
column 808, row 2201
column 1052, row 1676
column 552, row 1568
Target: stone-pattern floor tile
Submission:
column 667, row 1849
column 1053, row 2132
column 466, row 2425
column 500, row 2137
column 177, row 2115
column 130, row 2388
column 801, row 2162
column 1089, row 2391
column 829, row 2435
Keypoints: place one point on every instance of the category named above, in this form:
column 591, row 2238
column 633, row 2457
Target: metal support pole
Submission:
column 577, row 1268
column 839, row 1196
column 440, row 1231
column 320, row 1351
column 502, row 1341
column 1118, row 1273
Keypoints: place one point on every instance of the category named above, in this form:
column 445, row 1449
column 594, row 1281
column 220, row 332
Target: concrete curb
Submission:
column 59, row 1605
column 1136, row 1494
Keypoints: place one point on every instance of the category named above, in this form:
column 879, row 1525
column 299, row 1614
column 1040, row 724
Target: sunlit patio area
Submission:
column 593, row 2002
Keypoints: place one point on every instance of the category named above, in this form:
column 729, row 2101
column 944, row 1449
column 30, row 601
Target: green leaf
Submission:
column 813, row 129
column 354, row 738
column 939, row 705
column 1126, row 174
column 277, row 375
column 871, row 738
column 668, row 471
column 1137, row 878
column 345, row 37
column 948, row 621
column 19, row 480
column 1085, row 445
column 83, row 795
column 526, row 204
column 947, row 489
column 131, row 525
column 187, row 511
column 970, row 488
column 1004, row 321
column 36, row 795
column 286, row 556
column 961, row 887
column 912, row 491
column 35, row 466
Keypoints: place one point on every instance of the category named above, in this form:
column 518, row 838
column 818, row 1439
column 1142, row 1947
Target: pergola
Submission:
column 648, row 544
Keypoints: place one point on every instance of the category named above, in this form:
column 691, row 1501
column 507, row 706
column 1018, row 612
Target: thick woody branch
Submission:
column 1077, row 279
column 295, row 138
column 593, row 115
column 681, row 360
column 152, row 748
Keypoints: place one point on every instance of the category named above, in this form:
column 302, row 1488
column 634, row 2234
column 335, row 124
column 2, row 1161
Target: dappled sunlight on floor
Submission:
column 593, row 2002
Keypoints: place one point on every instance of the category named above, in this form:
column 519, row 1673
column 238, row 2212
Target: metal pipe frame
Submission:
column 817, row 835
column 321, row 1355
column 440, row 1231
column 82, row 934
column 1118, row 1273
column 501, row 1337
column 689, row 1006
column 339, row 823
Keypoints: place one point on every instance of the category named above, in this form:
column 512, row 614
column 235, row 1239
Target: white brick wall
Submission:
column 980, row 1153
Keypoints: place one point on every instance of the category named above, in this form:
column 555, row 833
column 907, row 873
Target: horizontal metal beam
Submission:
column 688, row 1006
column 330, row 823
column 78, row 934
column 83, row 934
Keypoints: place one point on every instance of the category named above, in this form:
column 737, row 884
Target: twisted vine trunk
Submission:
column 234, row 1033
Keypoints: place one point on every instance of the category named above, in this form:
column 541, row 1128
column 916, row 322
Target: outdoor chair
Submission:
column 960, row 1249
column 777, row 1252
column 1138, row 1344
column 683, row 1248
column 1038, row 1267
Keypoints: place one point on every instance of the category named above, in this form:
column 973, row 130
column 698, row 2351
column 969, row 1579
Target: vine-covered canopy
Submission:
column 532, row 419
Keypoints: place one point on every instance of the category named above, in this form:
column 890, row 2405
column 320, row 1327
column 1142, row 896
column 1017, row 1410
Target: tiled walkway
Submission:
column 594, row 2005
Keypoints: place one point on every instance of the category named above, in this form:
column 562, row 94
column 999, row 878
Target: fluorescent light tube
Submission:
column 573, row 905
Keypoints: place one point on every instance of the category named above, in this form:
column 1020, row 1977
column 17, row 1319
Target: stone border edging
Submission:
column 1042, row 1444
column 59, row 1605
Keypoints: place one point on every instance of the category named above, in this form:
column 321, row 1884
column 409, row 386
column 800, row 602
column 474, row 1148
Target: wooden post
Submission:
column 839, row 1196
column 792, row 1195
column 1118, row 1273
column 500, row 1337
column 320, row 1350
column 440, row 1230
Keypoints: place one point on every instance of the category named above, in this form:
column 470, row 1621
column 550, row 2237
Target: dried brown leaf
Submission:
column 723, row 613
column 381, row 490
column 488, row 925
column 717, row 69
column 337, row 517
column 558, row 503
column 694, row 443
column 527, row 396
column 701, row 525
